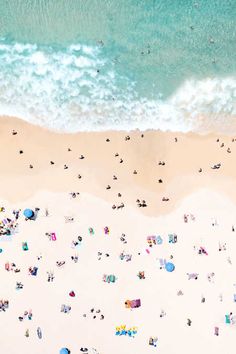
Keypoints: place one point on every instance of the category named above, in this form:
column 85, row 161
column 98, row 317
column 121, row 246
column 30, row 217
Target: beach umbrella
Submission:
column 28, row 213
column 64, row 351
column 169, row 267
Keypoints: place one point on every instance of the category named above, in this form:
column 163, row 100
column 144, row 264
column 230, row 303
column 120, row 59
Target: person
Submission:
column 189, row 322
column 39, row 333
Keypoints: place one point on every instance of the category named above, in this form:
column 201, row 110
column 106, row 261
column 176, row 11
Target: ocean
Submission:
column 92, row 65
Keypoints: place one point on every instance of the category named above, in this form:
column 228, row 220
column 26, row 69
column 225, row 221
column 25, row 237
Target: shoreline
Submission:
column 202, row 133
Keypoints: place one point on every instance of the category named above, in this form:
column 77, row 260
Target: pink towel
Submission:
column 53, row 236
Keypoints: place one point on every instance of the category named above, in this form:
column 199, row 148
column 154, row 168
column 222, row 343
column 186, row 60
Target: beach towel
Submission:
column 106, row 230
column 112, row 278
column 227, row 319
column 137, row 303
column 34, row 271
column 117, row 331
column 91, row 231
column 7, row 266
column 159, row 240
column 162, row 262
column 53, row 236
column 25, row 246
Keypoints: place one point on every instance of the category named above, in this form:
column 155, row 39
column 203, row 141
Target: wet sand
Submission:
column 180, row 174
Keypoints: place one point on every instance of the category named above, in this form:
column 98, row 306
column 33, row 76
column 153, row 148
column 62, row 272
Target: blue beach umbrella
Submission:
column 64, row 351
column 169, row 267
column 28, row 213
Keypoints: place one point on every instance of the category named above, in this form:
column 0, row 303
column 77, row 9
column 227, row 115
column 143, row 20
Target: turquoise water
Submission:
column 118, row 64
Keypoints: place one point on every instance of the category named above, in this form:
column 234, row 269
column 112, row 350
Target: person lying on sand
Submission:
column 164, row 199
column 216, row 167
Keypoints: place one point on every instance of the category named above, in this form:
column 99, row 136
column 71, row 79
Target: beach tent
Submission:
column 169, row 267
column 64, row 351
column 28, row 213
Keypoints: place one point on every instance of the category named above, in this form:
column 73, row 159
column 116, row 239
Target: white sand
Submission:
column 158, row 291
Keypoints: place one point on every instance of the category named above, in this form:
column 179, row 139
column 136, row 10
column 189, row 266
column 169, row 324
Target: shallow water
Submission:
column 94, row 65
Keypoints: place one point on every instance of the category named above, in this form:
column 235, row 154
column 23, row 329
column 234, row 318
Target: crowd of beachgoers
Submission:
column 93, row 235
column 11, row 227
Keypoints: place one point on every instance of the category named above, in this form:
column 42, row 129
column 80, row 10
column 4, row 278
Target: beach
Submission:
column 102, row 201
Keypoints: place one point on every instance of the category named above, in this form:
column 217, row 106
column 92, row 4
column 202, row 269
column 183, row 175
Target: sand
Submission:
column 208, row 195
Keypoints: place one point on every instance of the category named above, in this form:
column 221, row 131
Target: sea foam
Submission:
column 78, row 89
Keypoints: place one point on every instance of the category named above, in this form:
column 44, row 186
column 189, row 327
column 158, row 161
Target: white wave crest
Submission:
column 78, row 90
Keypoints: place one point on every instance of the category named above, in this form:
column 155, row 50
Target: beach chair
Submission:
column 234, row 297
